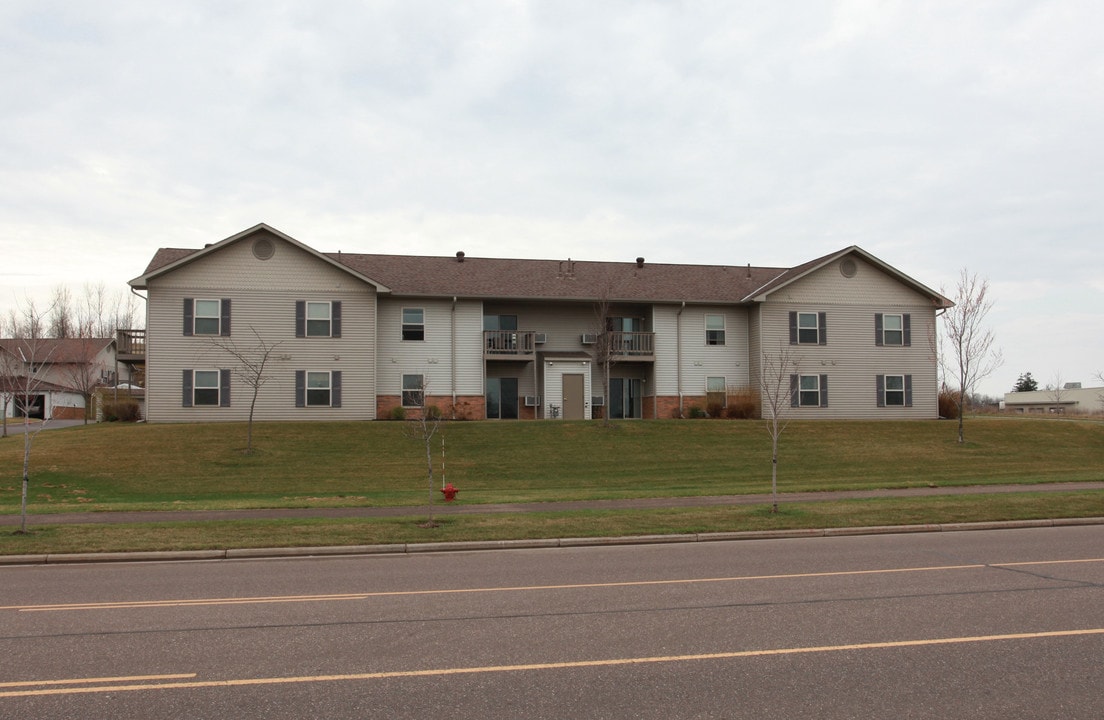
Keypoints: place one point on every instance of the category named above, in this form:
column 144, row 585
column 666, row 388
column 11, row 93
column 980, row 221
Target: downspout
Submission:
column 452, row 356
column 678, row 354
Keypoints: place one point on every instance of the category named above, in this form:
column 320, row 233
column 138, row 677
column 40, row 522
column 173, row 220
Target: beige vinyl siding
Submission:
column 435, row 358
column 263, row 295
column 850, row 359
column 682, row 339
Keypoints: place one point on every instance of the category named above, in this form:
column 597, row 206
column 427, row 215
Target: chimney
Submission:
column 640, row 262
column 460, row 256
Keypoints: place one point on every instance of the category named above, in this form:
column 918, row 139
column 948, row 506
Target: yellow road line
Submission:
column 519, row 588
column 577, row 664
column 463, row 591
column 90, row 681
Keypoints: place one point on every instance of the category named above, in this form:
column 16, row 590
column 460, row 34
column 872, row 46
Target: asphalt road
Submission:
column 988, row 624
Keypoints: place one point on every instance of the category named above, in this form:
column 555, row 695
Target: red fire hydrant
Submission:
column 449, row 492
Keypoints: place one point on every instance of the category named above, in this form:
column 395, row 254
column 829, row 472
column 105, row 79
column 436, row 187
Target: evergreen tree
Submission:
column 1025, row 383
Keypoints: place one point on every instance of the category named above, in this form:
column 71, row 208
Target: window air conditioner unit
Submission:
column 598, row 401
column 532, row 401
column 540, row 338
column 589, row 338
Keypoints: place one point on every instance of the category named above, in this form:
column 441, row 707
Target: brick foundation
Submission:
column 468, row 407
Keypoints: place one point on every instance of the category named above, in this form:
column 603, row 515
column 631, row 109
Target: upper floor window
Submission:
column 315, row 318
column 808, row 328
column 714, row 329
column 892, row 329
column 206, row 317
column 413, row 324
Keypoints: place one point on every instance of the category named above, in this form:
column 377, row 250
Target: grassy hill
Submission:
column 127, row 467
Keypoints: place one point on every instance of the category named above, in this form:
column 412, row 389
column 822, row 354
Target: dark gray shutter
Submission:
column 224, row 388
column 794, row 399
column 335, row 318
column 793, row 328
column 335, row 388
column 300, row 318
column 881, row 390
column 823, row 322
column 189, row 315
column 908, row 390
column 224, row 326
column 824, row 391
column 186, row 399
column 300, row 388
column 906, row 323
column 878, row 329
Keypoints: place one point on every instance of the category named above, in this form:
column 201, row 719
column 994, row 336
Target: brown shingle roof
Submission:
column 58, row 351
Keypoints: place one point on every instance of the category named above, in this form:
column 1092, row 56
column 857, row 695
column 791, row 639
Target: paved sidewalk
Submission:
column 460, row 508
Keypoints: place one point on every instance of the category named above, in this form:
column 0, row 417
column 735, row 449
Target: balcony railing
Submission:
column 509, row 344
column 632, row 345
column 130, row 344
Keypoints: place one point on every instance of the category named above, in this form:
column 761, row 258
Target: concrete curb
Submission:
column 480, row 545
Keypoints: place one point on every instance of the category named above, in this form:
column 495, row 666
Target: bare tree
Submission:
column 605, row 350
column 776, row 395
column 61, row 323
column 252, row 369
column 1057, row 392
column 29, row 354
column 972, row 355
column 423, row 429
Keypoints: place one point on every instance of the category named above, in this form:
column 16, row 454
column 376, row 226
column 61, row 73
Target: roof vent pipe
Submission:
column 460, row 256
column 640, row 262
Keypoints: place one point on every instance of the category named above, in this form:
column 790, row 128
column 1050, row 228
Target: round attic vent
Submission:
column 263, row 248
column 848, row 268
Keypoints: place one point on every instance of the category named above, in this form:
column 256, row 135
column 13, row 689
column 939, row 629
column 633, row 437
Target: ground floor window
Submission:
column 318, row 388
column 502, row 398
column 894, row 390
column 809, row 390
column 413, row 390
column 625, row 398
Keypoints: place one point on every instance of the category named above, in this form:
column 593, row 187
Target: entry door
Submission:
column 573, row 397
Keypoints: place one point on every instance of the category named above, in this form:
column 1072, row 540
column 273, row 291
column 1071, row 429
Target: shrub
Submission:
column 714, row 410
column 432, row 412
column 121, row 411
column 695, row 412
column 398, row 413
column 948, row 403
column 743, row 404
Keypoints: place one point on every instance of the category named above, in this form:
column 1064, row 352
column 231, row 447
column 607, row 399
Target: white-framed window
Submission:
column 809, row 390
column 716, row 391
column 413, row 324
column 317, row 388
column 808, row 328
column 894, row 390
column 206, row 316
column 894, row 329
column 714, row 329
column 205, row 388
column 413, row 390
column 318, row 319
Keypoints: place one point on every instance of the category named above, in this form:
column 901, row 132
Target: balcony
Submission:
column 509, row 345
column 632, row 346
column 130, row 345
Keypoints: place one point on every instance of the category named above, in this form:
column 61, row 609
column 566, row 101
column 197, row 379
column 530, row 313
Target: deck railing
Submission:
column 130, row 343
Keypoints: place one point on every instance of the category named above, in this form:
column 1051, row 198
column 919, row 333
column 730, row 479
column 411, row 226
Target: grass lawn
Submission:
column 114, row 466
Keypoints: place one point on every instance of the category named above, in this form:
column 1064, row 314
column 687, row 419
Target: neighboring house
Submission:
column 358, row 335
column 1068, row 400
column 64, row 373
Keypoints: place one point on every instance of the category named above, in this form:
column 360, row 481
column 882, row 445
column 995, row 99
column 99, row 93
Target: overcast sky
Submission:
column 935, row 135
